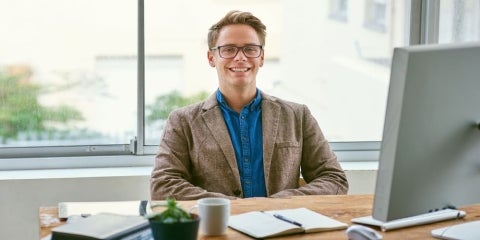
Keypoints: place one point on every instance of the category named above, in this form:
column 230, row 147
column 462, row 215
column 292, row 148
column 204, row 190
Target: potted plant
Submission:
column 173, row 223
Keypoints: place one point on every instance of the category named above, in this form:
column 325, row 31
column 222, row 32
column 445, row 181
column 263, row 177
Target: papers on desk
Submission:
column 135, row 208
column 260, row 224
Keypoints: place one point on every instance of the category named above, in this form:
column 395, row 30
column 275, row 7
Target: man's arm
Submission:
column 319, row 165
column 169, row 179
column 171, row 175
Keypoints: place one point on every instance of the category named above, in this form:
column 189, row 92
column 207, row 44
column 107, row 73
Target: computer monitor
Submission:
column 430, row 152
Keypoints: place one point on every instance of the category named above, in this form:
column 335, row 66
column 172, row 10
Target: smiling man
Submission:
column 241, row 142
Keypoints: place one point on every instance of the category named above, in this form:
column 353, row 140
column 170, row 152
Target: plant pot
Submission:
column 181, row 230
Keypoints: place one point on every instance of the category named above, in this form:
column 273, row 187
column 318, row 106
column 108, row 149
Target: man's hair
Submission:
column 237, row 17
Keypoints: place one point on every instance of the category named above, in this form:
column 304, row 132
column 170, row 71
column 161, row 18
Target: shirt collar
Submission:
column 255, row 104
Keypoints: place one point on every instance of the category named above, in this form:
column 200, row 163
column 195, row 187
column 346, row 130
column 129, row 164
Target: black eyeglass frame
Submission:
column 238, row 50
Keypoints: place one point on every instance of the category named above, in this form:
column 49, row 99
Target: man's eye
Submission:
column 228, row 49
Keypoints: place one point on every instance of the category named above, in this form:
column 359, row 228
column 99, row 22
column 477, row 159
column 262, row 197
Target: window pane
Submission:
column 339, row 69
column 67, row 70
column 343, row 68
column 459, row 21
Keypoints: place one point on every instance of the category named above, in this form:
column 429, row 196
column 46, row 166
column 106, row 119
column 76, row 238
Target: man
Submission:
column 241, row 142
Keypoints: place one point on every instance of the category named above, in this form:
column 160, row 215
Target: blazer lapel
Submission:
column 270, row 122
column 214, row 120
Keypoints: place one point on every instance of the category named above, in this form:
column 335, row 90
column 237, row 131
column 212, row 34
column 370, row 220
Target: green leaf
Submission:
column 172, row 214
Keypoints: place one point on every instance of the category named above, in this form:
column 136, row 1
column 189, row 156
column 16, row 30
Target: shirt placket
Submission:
column 246, row 153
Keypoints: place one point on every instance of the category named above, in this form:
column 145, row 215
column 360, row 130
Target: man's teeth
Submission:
column 239, row 69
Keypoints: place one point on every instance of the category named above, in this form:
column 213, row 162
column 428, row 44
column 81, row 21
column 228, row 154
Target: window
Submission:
column 376, row 15
column 66, row 75
column 338, row 10
column 83, row 78
column 459, row 21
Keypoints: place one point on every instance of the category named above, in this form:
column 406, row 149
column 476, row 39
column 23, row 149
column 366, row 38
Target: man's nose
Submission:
column 240, row 55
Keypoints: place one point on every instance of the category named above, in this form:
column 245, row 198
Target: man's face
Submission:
column 240, row 71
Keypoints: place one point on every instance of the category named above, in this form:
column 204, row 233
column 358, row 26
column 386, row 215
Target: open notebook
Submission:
column 263, row 224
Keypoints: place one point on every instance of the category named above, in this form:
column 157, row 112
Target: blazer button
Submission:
column 237, row 192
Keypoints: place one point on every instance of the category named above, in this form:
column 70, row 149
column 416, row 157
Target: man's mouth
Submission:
column 237, row 69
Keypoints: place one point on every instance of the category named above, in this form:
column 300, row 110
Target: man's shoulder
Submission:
column 189, row 110
column 195, row 109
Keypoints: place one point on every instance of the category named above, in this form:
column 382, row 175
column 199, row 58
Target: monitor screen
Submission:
column 430, row 152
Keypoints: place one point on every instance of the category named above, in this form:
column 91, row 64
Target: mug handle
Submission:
column 190, row 211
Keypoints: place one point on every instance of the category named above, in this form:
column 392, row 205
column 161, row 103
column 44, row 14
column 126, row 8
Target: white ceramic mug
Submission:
column 214, row 214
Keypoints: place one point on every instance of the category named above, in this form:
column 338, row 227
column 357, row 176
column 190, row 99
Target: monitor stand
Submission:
column 431, row 217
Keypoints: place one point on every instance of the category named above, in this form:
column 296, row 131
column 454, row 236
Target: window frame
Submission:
column 424, row 21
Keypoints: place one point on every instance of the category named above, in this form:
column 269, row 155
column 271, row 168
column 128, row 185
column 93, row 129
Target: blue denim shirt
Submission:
column 245, row 130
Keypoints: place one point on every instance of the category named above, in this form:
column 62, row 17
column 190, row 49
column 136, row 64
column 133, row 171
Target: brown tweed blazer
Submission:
column 196, row 158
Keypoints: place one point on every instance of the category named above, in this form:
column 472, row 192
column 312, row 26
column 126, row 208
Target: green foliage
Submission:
column 173, row 213
column 164, row 104
column 20, row 110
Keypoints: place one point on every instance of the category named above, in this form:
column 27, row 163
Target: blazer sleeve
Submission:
column 170, row 176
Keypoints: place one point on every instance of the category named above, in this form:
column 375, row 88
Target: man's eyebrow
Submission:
column 235, row 45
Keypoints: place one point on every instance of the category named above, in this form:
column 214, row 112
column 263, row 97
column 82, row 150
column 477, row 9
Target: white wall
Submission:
column 20, row 199
column 361, row 181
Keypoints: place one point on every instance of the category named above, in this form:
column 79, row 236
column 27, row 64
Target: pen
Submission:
column 287, row 219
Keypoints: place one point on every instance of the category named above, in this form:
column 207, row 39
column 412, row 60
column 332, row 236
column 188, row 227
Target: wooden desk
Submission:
column 342, row 208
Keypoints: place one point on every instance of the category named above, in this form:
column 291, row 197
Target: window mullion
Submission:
column 430, row 21
column 139, row 141
column 424, row 21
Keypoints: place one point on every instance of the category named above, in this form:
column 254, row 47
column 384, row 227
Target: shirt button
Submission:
column 247, row 160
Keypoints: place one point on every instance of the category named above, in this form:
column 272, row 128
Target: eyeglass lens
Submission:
column 251, row 51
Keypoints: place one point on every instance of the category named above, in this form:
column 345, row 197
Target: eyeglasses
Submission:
column 250, row 51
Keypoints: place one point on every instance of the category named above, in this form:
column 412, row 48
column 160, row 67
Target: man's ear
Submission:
column 211, row 59
column 262, row 59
